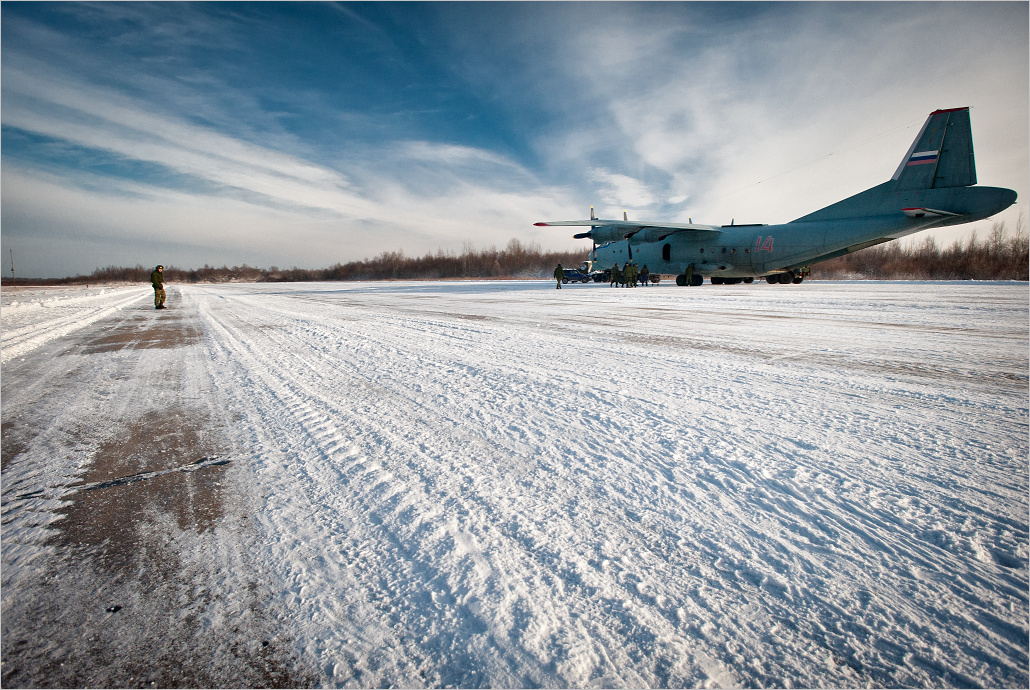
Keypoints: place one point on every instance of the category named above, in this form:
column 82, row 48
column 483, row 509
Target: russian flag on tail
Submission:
column 923, row 157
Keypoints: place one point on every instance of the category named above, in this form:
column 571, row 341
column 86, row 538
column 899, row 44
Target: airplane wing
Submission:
column 627, row 229
column 633, row 230
column 629, row 225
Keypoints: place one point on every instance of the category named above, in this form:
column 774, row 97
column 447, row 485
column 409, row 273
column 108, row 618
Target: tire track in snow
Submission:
column 381, row 508
column 607, row 556
column 260, row 378
column 371, row 526
column 622, row 590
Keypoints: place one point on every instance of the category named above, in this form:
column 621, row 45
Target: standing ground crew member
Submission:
column 630, row 274
column 559, row 275
column 157, row 279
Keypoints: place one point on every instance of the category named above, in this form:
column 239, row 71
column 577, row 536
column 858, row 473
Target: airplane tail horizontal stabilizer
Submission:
column 942, row 154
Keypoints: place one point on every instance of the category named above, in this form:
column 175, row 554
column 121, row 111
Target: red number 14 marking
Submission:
column 767, row 247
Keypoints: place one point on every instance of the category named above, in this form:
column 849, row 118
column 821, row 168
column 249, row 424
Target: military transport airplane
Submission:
column 932, row 188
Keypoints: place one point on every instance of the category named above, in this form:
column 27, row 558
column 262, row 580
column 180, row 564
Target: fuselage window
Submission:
column 667, row 252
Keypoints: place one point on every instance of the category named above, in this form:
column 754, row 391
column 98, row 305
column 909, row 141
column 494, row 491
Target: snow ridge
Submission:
column 24, row 330
column 506, row 490
column 500, row 484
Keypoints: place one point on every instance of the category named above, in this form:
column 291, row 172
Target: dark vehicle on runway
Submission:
column 575, row 275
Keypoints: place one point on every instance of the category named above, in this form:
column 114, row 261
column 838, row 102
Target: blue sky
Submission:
column 305, row 134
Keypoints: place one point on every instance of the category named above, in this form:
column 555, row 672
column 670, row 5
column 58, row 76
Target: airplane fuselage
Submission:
column 741, row 251
column 933, row 187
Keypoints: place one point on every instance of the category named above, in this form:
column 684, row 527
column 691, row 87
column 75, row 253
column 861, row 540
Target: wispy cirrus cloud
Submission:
column 309, row 133
column 109, row 122
column 766, row 111
column 213, row 190
column 708, row 110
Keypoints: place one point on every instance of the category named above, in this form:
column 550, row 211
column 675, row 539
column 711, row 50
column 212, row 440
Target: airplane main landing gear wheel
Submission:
column 785, row 278
column 695, row 280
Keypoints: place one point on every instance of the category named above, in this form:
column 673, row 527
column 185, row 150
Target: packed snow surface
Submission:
column 502, row 484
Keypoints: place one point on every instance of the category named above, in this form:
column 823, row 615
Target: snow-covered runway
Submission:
column 501, row 484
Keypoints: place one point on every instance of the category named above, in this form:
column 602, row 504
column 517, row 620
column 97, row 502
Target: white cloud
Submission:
column 775, row 115
column 123, row 221
column 669, row 110
column 417, row 196
column 621, row 190
column 99, row 119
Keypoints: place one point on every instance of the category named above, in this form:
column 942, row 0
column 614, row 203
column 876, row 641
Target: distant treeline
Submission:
column 999, row 256
column 516, row 260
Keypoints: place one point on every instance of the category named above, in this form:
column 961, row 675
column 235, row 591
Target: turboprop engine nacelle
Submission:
column 602, row 234
column 616, row 233
column 649, row 235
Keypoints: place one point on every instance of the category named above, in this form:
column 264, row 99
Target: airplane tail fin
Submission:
column 941, row 155
column 939, row 158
